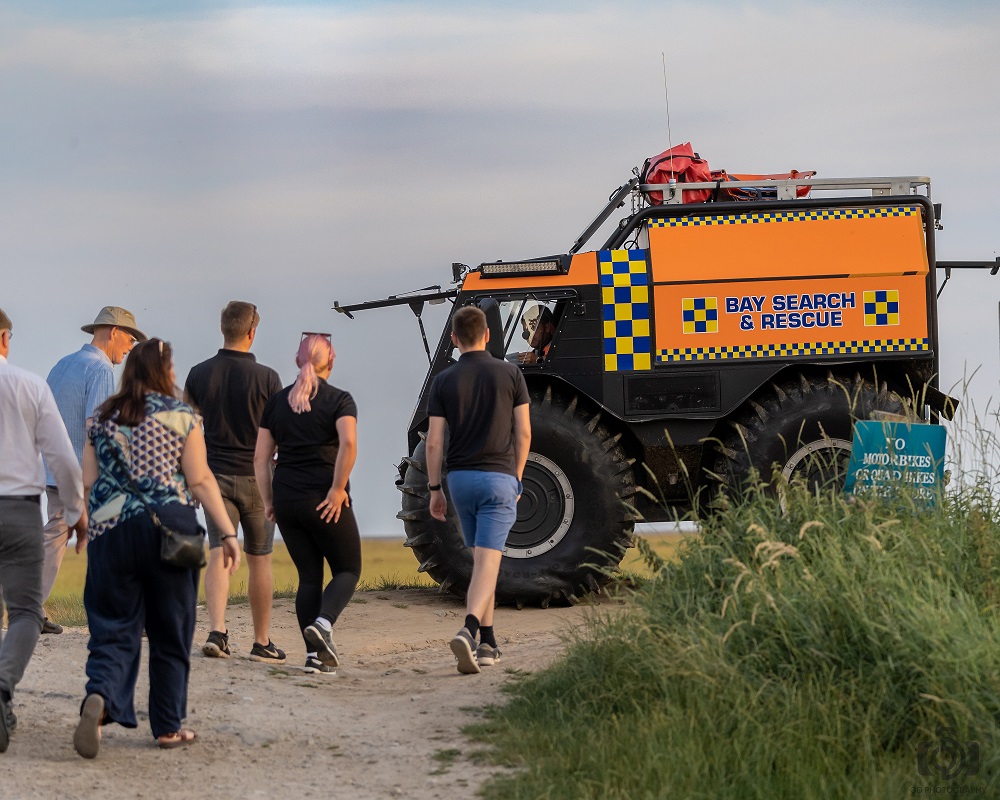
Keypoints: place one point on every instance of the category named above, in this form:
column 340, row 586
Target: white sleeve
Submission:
column 53, row 441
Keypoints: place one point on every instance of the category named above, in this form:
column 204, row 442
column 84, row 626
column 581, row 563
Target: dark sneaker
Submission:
column 267, row 653
column 322, row 640
column 48, row 626
column 87, row 739
column 487, row 655
column 314, row 665
column 217, row 645
column 463, row 645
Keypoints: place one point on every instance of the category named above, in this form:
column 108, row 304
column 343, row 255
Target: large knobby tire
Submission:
column 799, row 429
column 572, row 527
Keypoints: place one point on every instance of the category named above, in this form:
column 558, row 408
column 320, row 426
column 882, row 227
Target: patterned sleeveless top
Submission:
column 152, row 450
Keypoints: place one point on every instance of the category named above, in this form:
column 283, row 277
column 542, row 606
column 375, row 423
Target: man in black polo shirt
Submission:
column 484, row 402
column 230, row 390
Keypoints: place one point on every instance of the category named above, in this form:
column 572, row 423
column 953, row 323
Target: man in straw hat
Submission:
column 80, row 382
column 31, row 428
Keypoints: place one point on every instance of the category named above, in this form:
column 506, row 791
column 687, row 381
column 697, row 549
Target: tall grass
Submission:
column 804, row 653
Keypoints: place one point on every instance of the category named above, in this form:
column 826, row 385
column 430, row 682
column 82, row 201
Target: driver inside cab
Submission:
column 538, row 326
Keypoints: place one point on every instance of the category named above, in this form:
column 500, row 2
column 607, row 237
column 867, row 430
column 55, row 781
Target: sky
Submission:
column 171, row 156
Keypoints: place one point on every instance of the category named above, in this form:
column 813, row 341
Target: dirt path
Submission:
column 371, row 731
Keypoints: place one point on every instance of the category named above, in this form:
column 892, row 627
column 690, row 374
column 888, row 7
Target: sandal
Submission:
column 87, row 739
column 182, row 737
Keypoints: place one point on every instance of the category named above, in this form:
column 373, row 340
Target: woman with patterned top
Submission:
column 313, row 427
column 143, row 439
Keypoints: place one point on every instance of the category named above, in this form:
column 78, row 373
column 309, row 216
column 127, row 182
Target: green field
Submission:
column 385, row 562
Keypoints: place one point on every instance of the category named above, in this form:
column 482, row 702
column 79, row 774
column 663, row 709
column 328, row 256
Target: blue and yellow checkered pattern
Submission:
column 625, row 298
column 881, row 307
column 786, row 350
column 785, row 216
column 700, row 314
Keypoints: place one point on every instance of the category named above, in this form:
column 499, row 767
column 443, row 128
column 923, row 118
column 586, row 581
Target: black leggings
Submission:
column 310, row 541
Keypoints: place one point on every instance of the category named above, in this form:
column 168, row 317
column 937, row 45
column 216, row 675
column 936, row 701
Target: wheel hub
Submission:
column 545, row 510
column 821, row 464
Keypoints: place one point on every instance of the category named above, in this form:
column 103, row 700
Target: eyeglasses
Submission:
column 131, row 339
column 253, row 319
column 327, row 336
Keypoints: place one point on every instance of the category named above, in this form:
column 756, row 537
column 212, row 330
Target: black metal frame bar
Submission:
column 396, row 300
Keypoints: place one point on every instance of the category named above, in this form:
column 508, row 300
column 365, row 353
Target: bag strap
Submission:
column 132, row 485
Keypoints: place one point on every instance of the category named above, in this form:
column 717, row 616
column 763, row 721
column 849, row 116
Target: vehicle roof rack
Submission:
column 786, row 187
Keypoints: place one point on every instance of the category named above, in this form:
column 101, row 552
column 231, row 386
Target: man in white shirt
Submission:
column 31, row 427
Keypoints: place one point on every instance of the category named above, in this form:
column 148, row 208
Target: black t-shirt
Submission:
column 230, row 390
column 307, row 443
column 477, row 397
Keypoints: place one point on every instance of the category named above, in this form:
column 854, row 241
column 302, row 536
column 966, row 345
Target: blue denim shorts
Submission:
column 486, row 504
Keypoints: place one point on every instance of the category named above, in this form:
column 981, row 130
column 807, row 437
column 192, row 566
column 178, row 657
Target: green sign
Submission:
column 887, row 457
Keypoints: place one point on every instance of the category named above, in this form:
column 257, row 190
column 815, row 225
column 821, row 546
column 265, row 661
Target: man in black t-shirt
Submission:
column 484, row 402
column 230, row 391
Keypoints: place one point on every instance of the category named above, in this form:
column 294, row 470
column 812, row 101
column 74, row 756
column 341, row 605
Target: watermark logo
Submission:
column 948, row 758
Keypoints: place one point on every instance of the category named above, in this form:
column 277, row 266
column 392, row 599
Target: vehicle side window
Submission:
column 529, row 328
column 522, row 330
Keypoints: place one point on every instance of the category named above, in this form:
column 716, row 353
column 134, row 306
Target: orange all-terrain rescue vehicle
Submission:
column 731, row 324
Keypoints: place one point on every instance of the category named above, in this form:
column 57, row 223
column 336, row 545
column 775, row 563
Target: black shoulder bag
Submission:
column 177, row 548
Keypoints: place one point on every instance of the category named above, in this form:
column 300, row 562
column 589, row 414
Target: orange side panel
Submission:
column 761, row 319
column 582, row 272
column 861, row 241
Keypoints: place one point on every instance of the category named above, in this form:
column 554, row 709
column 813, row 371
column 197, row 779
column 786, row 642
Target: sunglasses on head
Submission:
column 327, row 336
column 253, row 319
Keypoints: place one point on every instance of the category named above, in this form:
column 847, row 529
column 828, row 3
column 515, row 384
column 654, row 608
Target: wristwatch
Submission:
column 435, row 488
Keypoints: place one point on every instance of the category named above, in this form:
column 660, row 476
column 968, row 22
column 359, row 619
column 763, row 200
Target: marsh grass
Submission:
column 797, row 653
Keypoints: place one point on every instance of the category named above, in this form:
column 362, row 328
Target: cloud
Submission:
column 597, row 56
column 297, row 154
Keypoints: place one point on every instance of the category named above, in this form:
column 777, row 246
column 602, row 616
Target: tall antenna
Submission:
column 671, row 181
column 666, row 99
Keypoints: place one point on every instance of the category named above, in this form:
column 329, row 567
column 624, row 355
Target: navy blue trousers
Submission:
column 128, row 588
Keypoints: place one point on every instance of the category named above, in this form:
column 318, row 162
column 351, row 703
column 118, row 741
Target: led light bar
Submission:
column 516, row 269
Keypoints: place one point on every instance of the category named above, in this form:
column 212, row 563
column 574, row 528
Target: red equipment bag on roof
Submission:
column 686, row 166
column 762, row 192
column 681, row 163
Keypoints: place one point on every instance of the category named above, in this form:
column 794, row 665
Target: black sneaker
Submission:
column 314, row 665
column 487, row 655
column 322, row 640
column 268, row 653
column 217, row 645
column 463, row 645
column 48, row 626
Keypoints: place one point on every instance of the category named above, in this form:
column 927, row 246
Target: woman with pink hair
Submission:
column 313, row 427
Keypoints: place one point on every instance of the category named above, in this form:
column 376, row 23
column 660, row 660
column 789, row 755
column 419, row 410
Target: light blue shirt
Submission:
column 80, row 382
